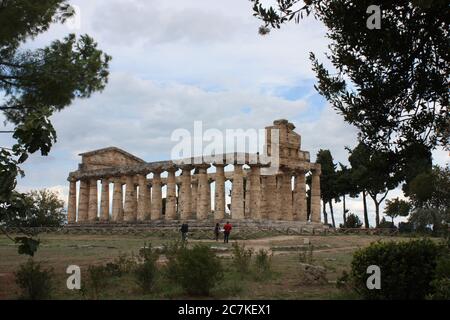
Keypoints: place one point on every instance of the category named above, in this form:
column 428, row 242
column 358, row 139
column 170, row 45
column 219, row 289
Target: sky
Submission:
column 180, row 61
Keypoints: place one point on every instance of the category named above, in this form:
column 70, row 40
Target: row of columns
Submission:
column 264, row 197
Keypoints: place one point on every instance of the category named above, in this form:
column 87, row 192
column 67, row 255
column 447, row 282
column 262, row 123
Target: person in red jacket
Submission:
column 226, row 233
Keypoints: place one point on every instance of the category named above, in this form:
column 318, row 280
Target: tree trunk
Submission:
column 366, row 216
column 377, row 213
column 345, row 211
column 325, row 215
column 332, row 213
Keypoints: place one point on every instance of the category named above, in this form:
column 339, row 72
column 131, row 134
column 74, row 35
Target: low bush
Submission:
column 263, row 264
column 407, row 269
column 146, row 271
column 242, row 258
column 197, row 270
column 36, row 283
column 352, row 222
column 96, row 282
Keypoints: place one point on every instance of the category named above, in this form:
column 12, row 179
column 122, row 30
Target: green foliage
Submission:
column 146, row 271
column 423, row 218
column 386, row 224
column 34, row 84
column 27, row 245
column 95, row 282
column 242, row 258
column 43, row 208
column 407, row 269
column 391, row 83
column 405, row 227
column 352, row 222
column 374, row 172
column 397, row 207
column 263, row 263
column 328, row 180
column 36, row 283
column 197, row 270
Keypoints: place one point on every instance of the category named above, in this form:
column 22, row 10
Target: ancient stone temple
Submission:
column 146, row 192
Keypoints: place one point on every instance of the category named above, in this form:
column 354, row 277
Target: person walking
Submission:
column 217, row 231
column 184, row 231
column 226, row 233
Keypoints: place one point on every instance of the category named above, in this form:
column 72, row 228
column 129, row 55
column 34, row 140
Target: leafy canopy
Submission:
column 34, row 84
column 391, row 83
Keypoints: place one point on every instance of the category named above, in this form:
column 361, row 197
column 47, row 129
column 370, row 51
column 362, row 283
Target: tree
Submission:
column 391, row 83
column 430, row 196
column 397, row 207
column 352, row 221
column 43, row 209
column 374, row 172
column 37, row 83
column 327, row 182
column 345, row 186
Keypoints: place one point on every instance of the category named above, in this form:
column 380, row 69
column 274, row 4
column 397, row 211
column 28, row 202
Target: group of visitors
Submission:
column 217, row 230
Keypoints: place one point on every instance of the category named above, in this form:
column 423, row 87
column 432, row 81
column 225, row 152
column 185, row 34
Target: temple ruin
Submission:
column 137, row 186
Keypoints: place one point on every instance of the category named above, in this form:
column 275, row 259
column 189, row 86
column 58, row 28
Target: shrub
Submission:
column 97, row 280
column 35, row 283
column 263, row 263
column 146, row 272
column 197, row 270
column 386, row 224
column 405, row 227
column 125, row 263
column 407, row 269
column 352, row 221
column 441, row 283
column 242, row 258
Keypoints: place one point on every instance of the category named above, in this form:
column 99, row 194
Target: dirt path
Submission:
column 268, row 243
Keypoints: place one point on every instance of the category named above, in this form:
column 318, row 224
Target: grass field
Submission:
column 334, row 252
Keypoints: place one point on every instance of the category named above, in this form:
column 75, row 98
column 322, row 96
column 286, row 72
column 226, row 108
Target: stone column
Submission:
column 315, row 196
column 104, row 201
column 208, row 195
column 93, row 200
column 264, row 204
column 171, row 196
column 72, row 203
column 219, row 196
column 135, row 201
column 83, row 201
column 194, row 193
column 202, row 193
column 254, row 193
column 156, row 196
column 130, row 198
column 286, row 196
column 117, row 207
column 237, row 193
column 271, row 196
column 247, row 195
column 148, row 214
column 185, row 193
column 300, row 213
column 278, row 206
column 142, row 206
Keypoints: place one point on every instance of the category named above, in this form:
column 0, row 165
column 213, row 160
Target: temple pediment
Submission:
column 106, row 158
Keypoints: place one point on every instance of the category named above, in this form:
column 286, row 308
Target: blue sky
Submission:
column 175, row 62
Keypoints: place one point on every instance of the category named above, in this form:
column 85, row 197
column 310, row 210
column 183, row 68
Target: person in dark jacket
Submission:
column 217, row 231
column 226, row 233
column 184, row 231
